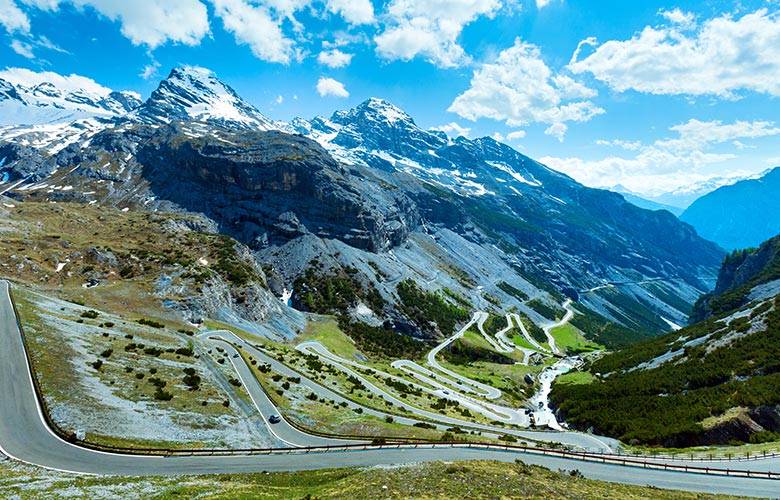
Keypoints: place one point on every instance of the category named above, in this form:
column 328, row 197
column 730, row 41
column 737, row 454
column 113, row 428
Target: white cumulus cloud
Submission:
column 146, row 22
column 430, row 28
column 724, row 55
column 12, row 18
column 453, row 129
column 519, row 88
column 334, row 58
column 149, row 70
column 677, row 16
column 254, row 26
column 23, row 49
column 353, row 11
column 28, row 78
column 330, row 87
column 619, row 143
column 540, row 4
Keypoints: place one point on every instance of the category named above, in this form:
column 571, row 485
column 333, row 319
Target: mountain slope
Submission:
column 745, row 275
column 711, row 383
column 367, row 200
column 194, row 93
column 47, row 103
column 740, row 215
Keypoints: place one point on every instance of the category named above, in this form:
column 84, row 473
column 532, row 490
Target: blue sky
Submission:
column 661, row 94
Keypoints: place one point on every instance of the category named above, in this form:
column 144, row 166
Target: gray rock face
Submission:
column 23, row 162
column 741, row 271
column 269, row 187
column 378, row 125
column 484, row 186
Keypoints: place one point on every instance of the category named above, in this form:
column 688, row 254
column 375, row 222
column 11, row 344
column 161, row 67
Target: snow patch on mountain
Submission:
column 29, row 98
column 516, row 176
column 54, row 137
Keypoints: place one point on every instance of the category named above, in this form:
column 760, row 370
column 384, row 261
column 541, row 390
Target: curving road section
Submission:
column 527, row 336
column 548, row 329
column 25, row 436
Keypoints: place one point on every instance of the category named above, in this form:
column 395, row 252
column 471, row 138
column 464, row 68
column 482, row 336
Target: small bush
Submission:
column 90, row 314
column 157, row 382
column 184, row 351
column 150, row 323
column 162, row 395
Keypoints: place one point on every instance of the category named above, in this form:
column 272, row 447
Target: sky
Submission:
column 651, row 95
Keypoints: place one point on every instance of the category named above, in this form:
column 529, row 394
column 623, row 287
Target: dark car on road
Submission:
column 274, row 419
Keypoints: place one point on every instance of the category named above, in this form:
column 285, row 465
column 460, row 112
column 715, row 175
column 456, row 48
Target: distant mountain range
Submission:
column 740, row 215
column 645, row 203
column 364, row 196
column 46, row 103
column 677, row 200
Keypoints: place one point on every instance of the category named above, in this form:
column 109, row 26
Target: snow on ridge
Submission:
column 47, row 97
column 195, row 93
column 515, row 175
column 54, row 137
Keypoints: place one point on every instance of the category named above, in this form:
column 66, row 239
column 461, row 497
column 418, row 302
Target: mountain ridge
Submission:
column 46, row 103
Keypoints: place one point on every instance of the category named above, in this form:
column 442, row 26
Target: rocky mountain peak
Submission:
column 195, row 93
column 374, row 110
column 46, row 89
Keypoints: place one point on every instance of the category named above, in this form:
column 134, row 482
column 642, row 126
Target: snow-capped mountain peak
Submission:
column 29, row 98
column 195, row 93
column 374, row 110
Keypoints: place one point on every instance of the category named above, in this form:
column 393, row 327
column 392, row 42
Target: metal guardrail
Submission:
column 596, row 457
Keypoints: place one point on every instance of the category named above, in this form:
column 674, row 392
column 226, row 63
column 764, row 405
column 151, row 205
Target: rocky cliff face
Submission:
column 744, row 276
column 265, row 188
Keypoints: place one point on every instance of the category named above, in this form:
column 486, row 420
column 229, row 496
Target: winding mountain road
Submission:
column 25, row 436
